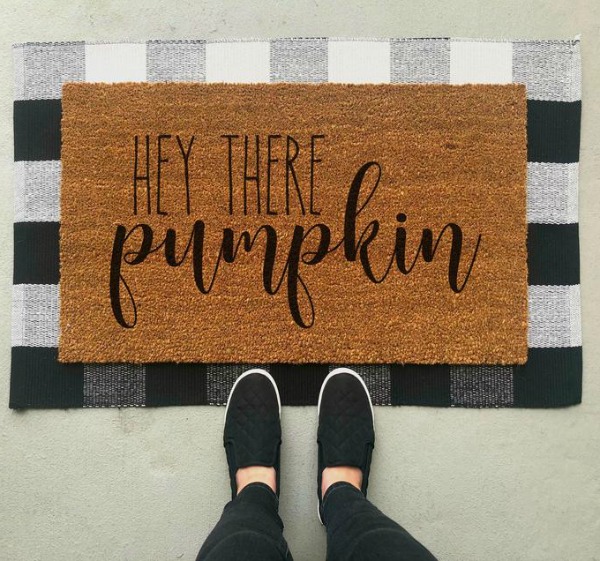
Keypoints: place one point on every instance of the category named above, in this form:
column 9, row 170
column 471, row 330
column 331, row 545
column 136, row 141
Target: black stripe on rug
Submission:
column 553, row 254
column 175, row 384
column 414, row 384
column 37, row 129
column 37, row 255
column 299, row 384
column 550, row 378
column 38, row 380
column 553, row 129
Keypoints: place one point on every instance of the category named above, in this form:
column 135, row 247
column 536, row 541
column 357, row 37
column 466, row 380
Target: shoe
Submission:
column 346, row 434
column 252, row 433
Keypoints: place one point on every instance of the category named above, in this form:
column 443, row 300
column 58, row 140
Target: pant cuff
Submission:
column 342, row 487
column 258, row 492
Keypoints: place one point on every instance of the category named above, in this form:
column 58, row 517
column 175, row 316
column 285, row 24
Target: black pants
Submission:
column 250, row 529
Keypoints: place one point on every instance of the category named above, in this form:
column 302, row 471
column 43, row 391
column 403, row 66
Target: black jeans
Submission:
column 250, row 529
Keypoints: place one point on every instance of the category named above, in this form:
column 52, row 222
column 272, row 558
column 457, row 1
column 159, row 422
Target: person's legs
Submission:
column 358, row 531
column 249, row 529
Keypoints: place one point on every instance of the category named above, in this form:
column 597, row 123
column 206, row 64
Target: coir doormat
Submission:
column 293, row 223
column 549, row 69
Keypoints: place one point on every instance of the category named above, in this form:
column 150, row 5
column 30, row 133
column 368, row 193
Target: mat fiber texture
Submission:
column 550, row 71
column 421, row 188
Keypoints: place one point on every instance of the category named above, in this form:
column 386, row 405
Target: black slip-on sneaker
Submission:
column 252, row 434
column 346, row 434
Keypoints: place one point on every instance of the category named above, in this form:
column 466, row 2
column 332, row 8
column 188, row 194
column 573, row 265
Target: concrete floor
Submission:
column 492, row 485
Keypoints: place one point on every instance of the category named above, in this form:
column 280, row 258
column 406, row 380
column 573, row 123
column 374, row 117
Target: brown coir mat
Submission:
column 293, row 223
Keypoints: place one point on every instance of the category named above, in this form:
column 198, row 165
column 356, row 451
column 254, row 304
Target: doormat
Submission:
column 355, row 224
column 549, row 69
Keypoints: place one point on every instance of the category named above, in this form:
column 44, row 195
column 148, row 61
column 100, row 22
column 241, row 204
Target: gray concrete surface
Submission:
column 493, row 485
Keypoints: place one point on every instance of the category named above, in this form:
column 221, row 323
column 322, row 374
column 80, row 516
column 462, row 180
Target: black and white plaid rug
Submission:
column 551, row 71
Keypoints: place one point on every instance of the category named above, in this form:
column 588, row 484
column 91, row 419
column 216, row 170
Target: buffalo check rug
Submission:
column 551, row 72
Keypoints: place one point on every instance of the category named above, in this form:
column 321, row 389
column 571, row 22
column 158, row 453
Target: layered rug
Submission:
column 550, row 72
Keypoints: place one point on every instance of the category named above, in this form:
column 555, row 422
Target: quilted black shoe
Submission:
column 346, row 435
column 252, row 434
